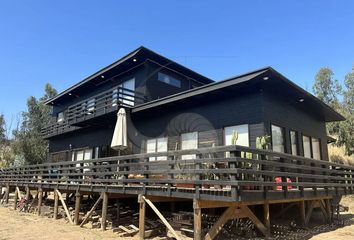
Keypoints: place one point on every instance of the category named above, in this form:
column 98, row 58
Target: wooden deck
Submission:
column 245, row 177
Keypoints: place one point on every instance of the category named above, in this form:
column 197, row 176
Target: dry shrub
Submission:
column 338, row 155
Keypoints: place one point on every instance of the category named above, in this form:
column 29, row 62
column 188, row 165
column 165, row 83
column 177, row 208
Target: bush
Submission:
column 338, row 155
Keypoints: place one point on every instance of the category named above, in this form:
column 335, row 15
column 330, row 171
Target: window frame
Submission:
column 319, row 148
column 63, row 118
column 156, row 149
column 248, row 133
column 303, row 145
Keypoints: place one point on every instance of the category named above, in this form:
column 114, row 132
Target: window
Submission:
column 90, row 106
column 293, row 141
column 162, row 77
column 241, row 133
column 307, row 146
column 189, row 141
column 60, row 117
column 156, row 145
column 278, row 139
column 316, row 149
column 126, row 92
column 83, row 154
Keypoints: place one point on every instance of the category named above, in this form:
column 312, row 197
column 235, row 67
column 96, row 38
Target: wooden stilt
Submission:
column 328, row 209
column 64, row 206
column 118, row 211
column 104, row 211
column 7, row 196
column 142, row 210
column 309, row 212
column 164, row 221
column 88, row 215
column 32, row 202
column 40, row 199
column 77, row 208
column 15, row 198
column 266, row 218
column 28, row 193
column 197, row 220
column 56, row 204
column 302, row 209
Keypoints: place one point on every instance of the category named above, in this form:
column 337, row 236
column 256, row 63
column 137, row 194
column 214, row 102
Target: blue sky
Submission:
column 62, row 42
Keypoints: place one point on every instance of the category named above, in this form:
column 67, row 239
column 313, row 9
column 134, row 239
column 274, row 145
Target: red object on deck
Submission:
column 278, row 180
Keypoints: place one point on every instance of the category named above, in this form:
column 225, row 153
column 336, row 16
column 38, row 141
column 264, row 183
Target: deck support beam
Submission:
column 142, row 212
column 323, row 205
column 64, row 206
column 16, row 198
column 7, row 194
column 302, row 208
column 197, row 215
column 56, row 204
column 233, row 213
column 266, row 217
column 28, row 193
column 104, row 211
column 77, row 207
column 89, row 213
column 40, row 200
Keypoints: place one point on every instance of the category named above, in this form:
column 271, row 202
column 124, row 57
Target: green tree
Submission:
column 2, row 129
column 327, row 89
column 29, row 142
column 347, row 127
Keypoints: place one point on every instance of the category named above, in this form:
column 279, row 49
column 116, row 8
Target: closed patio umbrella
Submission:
column 120, row 138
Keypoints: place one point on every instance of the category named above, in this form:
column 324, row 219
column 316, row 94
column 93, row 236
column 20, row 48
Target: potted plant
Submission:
column 183, row 176
column 210, row 175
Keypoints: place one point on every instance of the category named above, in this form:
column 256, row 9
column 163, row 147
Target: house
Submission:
column 171, row 107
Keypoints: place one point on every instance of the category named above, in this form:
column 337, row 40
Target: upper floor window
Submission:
column 157, row 145
column 60, row 117
column 294, row 141
column 278, row 139
column 162, row 77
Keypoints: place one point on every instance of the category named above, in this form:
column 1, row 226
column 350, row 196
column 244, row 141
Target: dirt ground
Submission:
column 15, row 225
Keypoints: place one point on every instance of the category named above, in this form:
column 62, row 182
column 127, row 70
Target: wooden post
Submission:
column 197, row 220
column 266, row 217
column 40, row 199
column 7, row 194
column 56, row 204
column 77, row 207
column 88, row 215
column 118, row 211
column 328, row 209
column 142, row 210
column 28, row 193
column 15, row 199
column 64, row 206
column 104, row 211
column 302, row 212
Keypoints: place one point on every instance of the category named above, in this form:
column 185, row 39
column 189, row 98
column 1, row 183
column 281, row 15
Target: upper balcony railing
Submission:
column 100, row 104
column 227, row 173
column 103, row 103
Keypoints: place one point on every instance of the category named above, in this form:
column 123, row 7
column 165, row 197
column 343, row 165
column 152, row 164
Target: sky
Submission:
column 62, row 42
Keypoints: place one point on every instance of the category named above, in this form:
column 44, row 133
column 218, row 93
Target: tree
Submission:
column 2, row 129
column 327, row 89
column 347, row 127
column 29, row 142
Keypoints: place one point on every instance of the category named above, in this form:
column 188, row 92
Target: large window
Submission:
column 294, row 141
column 189, row 141
column 307, row 146
column 316, row 149
column 238, row 133
column 278, row 139
column 162, row 77
column 156, row 145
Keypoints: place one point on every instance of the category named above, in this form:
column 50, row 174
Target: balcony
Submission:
column 55, row 128
column 96, row 110
column 106, row 103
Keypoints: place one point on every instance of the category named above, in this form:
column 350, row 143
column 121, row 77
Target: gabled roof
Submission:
column 276, row 80
column 130, row 60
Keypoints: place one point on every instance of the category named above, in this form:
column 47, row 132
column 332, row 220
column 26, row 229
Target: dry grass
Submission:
column 338, row 155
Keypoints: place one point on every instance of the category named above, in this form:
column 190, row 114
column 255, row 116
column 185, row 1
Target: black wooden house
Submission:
column 171, row 107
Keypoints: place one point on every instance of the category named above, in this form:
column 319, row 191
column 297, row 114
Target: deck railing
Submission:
column 230, row 173
column 55, row 128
